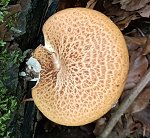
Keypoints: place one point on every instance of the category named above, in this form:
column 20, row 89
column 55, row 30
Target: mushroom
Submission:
column 84, row 67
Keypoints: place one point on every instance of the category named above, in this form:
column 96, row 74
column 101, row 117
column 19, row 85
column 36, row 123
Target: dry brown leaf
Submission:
column 100, row 124
column 148, row 57
column 135, row 128
column 143, row 116
column 138, row 62
column 121, row 17
column 146, row 50
column 145, row 12
column 115, row 11
column 141, row 102
column 134, row 43
column 138, row 67
column 124, row 23
column 131, row 5
column 132, row 127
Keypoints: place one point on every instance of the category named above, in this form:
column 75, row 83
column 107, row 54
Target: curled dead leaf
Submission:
column 131, row 5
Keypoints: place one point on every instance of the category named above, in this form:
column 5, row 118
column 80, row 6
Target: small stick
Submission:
column 91, row 4
column 27, row 100
column 125, row 104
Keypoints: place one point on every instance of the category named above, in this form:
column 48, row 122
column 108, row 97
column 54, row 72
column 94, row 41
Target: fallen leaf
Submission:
column 131, row 5
column 124, row 23
column 114, row 11
column 135, row 129
column 145, row 12
column 146, row 50
column 134, row 43
column 138, row 62
column 148, row 57
column 143, row 116
column 100, row 124
column 121, row 17
column 140, row 102
column 138, row 67
column 99, row 6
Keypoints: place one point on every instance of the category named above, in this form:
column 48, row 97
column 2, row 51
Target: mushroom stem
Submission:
column 54, row 54
column 125, row 104
column 56, row 61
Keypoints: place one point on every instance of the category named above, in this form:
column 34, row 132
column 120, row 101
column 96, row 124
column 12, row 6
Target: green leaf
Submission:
column 2, row 43
column 4, row 2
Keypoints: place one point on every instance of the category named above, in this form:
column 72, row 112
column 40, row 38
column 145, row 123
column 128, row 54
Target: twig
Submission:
column 125, row 104
column 140, row 31
column 91, row 4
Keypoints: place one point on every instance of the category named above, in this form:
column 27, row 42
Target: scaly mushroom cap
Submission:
column 84, row 67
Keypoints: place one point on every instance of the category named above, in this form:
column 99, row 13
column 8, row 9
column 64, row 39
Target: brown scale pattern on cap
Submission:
column 93, row 62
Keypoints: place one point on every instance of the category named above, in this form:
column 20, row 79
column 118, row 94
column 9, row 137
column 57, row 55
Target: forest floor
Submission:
column 125, row 120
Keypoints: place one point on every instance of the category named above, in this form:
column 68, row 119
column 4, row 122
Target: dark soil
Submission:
column 47, row 129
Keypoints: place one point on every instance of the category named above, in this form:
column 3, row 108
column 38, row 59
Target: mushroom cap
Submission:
column 84, row 67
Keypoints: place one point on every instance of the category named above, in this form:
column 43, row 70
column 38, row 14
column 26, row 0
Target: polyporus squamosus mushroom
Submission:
column 84, row 67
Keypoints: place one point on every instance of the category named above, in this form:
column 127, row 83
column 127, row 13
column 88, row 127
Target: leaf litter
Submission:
column 132, row 18
column 136, row 120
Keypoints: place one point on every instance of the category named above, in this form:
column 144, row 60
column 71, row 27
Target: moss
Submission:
column 8, row 103
column 9, row 60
